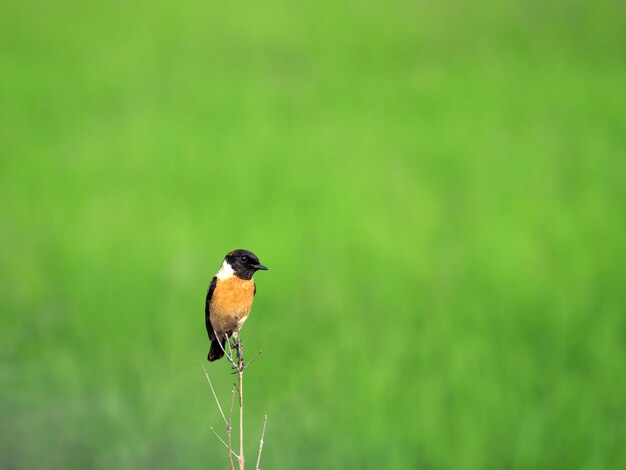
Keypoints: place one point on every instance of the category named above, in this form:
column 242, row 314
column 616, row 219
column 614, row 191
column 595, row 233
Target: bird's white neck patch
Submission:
column 226, row 271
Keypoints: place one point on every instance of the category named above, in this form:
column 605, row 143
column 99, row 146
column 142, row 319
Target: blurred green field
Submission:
column 437, row 188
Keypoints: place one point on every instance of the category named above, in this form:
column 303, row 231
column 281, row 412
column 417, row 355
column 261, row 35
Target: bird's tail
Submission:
column 216, row 351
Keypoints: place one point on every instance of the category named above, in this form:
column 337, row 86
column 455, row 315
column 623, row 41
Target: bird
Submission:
column 229, row 299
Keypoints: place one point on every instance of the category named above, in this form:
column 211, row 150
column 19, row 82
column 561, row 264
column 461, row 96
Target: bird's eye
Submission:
column 244, row 259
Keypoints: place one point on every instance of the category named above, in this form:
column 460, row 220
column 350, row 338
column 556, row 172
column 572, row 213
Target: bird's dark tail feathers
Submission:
column 216, row 351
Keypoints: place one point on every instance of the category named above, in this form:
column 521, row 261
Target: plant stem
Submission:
column 258, row 460
column 240, row 374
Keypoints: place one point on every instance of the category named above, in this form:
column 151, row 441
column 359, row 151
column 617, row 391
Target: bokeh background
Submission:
column 438, row 189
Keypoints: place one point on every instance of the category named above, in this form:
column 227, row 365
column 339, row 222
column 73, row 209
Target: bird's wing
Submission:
column 254, row 288
column 207, row 312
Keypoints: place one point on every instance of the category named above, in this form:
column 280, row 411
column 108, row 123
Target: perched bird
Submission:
column 229, row 299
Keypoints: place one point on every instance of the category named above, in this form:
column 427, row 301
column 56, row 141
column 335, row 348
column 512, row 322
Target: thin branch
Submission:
column 239, row 366
column 240, row 374
column 230, row 349
column 229, row 431
column 253, row 358
column 232, row 404
column 230, row 358
column 227, row 423
column 222, row 441
column 214, row 394
column 258, row 459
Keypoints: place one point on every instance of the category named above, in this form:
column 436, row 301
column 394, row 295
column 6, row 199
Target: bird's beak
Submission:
column 260, row 267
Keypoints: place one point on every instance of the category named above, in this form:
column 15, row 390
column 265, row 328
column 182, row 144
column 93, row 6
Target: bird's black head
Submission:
column 244, row 263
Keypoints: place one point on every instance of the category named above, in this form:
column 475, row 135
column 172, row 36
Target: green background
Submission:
column 438, row 189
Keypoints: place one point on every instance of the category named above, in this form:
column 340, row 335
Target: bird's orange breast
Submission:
column 231, row 303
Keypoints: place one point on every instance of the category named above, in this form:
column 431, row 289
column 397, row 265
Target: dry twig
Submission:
column 232, row 452
column 227, row 422
column 258, row 459
column 229, row 430
column 239, row 366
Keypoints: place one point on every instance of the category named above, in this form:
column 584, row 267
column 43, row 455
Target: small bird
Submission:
column 229, row 299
